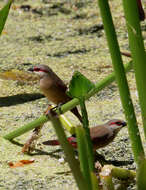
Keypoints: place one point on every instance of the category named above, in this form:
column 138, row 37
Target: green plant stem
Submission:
column 69, row 105
column 107, row 183
column 67, row 124
column 109, row 171
column 121, row 79
column 83, row 157
column 141, row 173
column 26, row 128
column 95, row 181
column 87, row 134
column 69, row 152
column 137, row 52
column 120, row 173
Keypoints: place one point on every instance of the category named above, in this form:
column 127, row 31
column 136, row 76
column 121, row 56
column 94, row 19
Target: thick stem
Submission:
column 69, row 153
column 87, row 134
column 137, row 52
column 121, row 79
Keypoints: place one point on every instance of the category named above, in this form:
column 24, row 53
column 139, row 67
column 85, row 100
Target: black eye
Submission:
column 118, row 123
column 36, row 69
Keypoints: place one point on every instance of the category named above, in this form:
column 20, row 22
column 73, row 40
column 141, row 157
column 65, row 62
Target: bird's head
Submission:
column 41, row 70
column 116, row 124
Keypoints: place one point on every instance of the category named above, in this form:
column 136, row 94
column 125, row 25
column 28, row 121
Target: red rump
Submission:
column 71, row 140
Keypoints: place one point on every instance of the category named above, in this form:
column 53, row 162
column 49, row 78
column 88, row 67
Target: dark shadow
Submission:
column 97, row 156
column 19, row 99
column 120, row 163
column 63, row 173
column 51, row 154
column 103, row 161
column 97, row 28
column 69, row 52
column 16, row 143
column 41, row 39
column 39, row 152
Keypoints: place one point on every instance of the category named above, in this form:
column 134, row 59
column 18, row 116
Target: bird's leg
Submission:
column 58, row 107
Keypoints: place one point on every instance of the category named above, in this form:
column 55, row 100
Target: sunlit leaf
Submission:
column 79, row 85
column 4, row 14
column 21, row 76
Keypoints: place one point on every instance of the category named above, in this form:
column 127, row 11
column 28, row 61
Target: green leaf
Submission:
column 79, row 85
column 4, row 14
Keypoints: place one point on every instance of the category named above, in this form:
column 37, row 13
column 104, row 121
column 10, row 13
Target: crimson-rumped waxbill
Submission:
column 53, row 87
column 55, row 91
column 101, row 135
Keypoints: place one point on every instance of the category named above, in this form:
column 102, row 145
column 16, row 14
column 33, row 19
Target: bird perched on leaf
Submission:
column 101, row 135
column 53, row 87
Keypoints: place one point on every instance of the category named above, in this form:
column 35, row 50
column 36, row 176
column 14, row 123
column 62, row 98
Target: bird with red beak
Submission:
column 101, row 135
column 55, row 91
column 53, row 87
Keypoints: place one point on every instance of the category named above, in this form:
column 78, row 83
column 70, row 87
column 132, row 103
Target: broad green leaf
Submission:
column 79, row 85
column 4, row 14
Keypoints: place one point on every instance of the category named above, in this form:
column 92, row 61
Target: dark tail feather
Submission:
column 51, row 142
column 76, row 113
column 71, row 140
column 140, row 10
column 127, row 54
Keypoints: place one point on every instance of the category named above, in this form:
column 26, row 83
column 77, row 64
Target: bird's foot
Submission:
column 58, row 107
column 50, row 107
column 54, row 108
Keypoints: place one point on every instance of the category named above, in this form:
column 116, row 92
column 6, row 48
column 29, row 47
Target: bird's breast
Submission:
column 54, row 94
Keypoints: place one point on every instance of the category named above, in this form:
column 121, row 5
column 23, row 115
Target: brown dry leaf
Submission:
column 21, row 76
column 27, row 161
column 20, row 163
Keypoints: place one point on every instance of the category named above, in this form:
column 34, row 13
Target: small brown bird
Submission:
column 53, row 87
column 101, row 135
column 55, row 90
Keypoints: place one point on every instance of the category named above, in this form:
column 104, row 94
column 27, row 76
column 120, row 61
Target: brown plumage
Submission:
column 101, row 135
column 53, row 87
